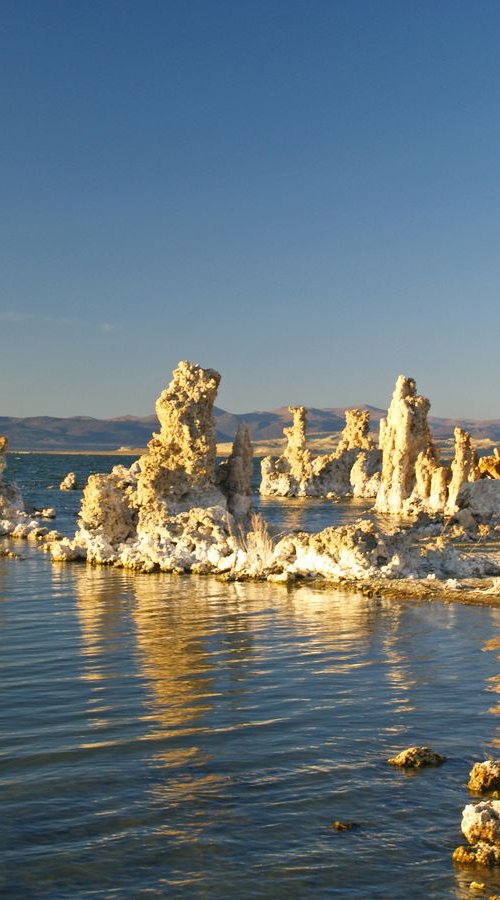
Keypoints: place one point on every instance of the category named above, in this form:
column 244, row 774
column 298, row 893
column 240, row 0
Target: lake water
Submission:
column 170, row 736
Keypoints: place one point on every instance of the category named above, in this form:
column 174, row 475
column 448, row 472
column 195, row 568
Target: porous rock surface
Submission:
column 481, row 822
column 417, row 758
column 485, row 776
column 481, row 827
column 480, row 854
column 175, row 509
column 69, row 482
column 413, row 479
column 14, row 520
column 170, row 510
column 353, row 469
column 481, row 500
column 234, row 475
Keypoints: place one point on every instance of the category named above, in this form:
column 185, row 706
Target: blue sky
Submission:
column 303, row 195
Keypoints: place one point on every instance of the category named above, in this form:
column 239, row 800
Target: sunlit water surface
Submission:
column 164, row 736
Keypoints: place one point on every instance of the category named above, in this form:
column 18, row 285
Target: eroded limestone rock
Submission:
column 481, row 854
column 298, row 474
column 489, row 466
column 463, row 467
column 485, row 776
column 413, row 479
column 13, row 518
column 481, row 822
column 365, row 474
column 408, row 453
column 69, row 482
column 416, row 758
column 356, row 433
column 235, row 474
column 480, row 499
column 167, row 511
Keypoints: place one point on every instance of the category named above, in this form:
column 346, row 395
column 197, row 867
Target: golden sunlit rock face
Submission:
column 485, row 776
column 352, row 470
column 174, row 509
column 413, row 480
column 417, row 758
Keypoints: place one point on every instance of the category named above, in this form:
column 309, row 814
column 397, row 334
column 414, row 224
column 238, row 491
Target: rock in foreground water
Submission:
column 481, row 822
column 416, row 758
column 480, row 854
column 485, row 776
column 69, row 482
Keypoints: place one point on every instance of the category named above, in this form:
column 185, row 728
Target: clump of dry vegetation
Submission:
column 257, row 544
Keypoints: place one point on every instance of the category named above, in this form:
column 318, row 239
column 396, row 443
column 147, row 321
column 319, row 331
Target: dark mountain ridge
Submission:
column 88, row 433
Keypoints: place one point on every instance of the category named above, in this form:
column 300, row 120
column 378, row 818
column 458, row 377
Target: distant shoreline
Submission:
column 317, row 443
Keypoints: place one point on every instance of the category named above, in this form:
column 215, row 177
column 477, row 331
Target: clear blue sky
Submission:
column 303, row 194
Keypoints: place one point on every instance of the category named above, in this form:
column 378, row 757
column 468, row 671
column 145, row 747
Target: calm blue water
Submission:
column 164, row 736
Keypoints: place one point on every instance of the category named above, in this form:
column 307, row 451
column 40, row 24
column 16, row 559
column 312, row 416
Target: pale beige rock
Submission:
column 485, row 776
column 298, row 474
column 107, row 508
column 296, row 452
column 481, row 822
column 480, row 499
column 288, row 475
column 180, row 461
column 167, row 511
column 365, row 474
column 409, row 457
column 463, row 467
column 356, row 433
column 69, row 482
column 440, row 480
column 416, row 758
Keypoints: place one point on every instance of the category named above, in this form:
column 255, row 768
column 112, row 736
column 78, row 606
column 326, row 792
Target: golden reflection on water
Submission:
column 493, row 683
column 186, row 630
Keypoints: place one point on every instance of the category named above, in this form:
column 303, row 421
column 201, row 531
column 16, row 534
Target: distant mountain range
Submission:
column 86, row 433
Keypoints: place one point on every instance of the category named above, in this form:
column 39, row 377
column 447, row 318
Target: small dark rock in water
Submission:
column 416, row 757
column 485, row 776
column 344, row 826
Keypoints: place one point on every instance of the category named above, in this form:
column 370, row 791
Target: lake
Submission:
column 179, row 736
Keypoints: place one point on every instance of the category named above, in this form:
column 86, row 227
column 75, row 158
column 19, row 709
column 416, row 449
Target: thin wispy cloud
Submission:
column 12, row 317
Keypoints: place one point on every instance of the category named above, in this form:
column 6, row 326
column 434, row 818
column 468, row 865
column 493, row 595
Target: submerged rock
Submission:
column 344, row 826
column 69, row 482
column 416, row 758
column 485, row 776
